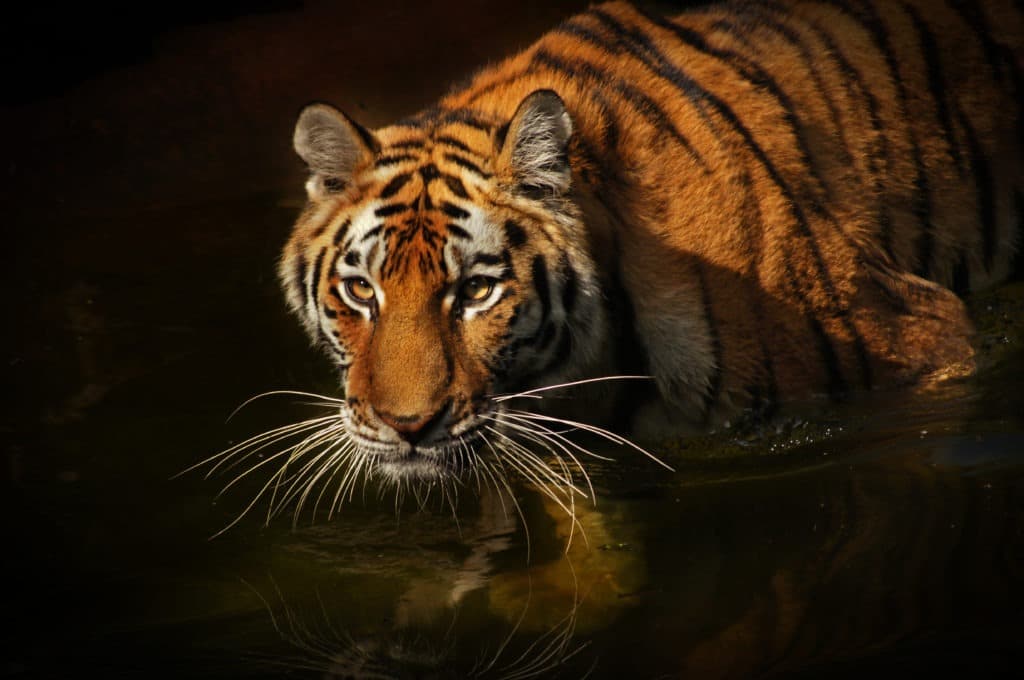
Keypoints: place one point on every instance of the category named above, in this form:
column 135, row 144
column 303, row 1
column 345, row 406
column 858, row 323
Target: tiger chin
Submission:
column 746, row 204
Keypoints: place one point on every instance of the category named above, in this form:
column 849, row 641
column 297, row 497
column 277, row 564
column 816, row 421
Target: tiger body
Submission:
column 750, row 203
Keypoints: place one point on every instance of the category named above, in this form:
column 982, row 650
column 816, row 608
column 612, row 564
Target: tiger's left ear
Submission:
column 334, row 147
column 535, row 149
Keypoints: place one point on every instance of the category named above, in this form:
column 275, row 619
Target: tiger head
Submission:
column 440, row 262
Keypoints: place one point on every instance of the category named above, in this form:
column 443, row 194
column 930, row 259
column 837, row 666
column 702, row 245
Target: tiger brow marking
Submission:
column 393, row 209
column 467, row 164
column 395, row 184
column 455, row 185
column 452, row 210
column 371, row 233
column 342, row 230
column 385, row 161
column 448, row 140
column 407, row 144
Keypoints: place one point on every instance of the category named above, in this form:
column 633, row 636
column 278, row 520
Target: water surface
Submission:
column 882, row 536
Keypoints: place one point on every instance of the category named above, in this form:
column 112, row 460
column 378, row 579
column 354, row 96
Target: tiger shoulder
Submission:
column 748, row 202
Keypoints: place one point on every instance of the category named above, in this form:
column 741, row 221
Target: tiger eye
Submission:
column 360, row 289
column 477, row 288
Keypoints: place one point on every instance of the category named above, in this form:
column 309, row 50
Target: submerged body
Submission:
column 749, row 203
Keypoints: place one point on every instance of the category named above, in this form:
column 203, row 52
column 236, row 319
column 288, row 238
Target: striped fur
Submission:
column 750, row 202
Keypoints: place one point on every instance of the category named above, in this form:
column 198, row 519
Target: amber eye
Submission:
column 476, row 289
column 360, row 289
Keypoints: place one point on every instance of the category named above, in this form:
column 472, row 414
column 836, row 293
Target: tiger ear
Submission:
column 334, row 147
column 535, row 148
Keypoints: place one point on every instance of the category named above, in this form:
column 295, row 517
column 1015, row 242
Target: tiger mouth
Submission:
column 441, row 458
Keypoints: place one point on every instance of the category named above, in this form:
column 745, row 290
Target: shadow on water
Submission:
column 884, row 536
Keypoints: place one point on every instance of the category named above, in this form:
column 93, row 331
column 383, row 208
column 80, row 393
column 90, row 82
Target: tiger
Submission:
column 677, row 219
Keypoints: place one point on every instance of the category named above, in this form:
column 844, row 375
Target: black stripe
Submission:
column 971, row 13
column 454, row 211
column 393, row 209
column 585, row 72
column 514, row 234
column 937, row 84
column 467, row 164
column 352, row 258
column 342, row 230
column 961, row 275
column 368, row 139
column 315, row 281
column 835, row 383
column 984, row 192
column 810, row 59
column 407, row 144
column 456, row 186
column 878, row 150
column 692, row 89
column 372, row 233
column 539, row 269
column 465, row 117
column 329, row 313
column 742, row 66
column 384, row 161
column 451, row 141
column 866, row 16
column 570, row 287
column 429, row 173
column 456, row 230
column 501, row 133
column 396, row 183
column 490, row 258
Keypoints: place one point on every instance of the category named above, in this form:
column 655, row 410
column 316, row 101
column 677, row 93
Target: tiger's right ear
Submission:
column 334, row 147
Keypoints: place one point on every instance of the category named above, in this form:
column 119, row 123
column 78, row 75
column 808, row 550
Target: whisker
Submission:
column 495, row 478
column 546, row 438
column 593, row 429
column 585, row 381
column 325, row 399
column 521, row 467
column 276, row 434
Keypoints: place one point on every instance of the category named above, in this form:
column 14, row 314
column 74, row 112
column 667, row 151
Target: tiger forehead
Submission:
column 448, row 151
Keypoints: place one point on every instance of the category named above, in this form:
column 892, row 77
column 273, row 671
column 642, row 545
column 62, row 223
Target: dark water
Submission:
column 884, row 537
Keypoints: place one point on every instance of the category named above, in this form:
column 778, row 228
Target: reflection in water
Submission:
column 322, row 645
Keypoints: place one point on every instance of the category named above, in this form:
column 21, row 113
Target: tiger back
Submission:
column 749, row 202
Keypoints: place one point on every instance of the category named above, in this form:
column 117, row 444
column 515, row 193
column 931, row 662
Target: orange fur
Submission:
column 767, row 201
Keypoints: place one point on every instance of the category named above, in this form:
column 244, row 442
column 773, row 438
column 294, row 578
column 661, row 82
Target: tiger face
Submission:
column 440, row 265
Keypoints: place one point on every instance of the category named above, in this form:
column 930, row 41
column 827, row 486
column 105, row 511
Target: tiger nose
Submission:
column 414, row 428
